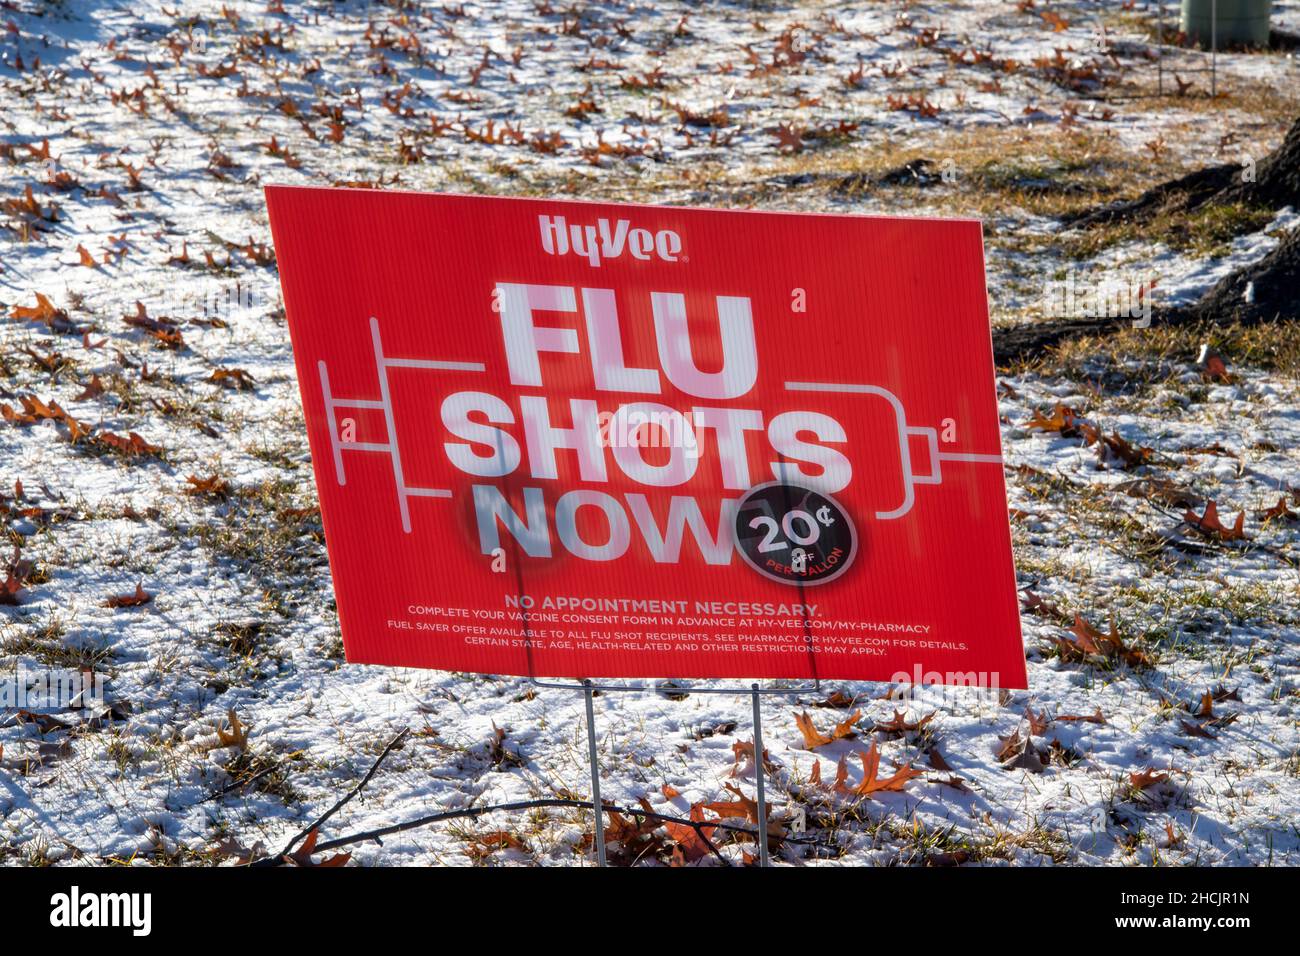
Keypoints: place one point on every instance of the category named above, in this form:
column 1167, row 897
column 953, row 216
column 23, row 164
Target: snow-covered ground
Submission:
column 144, row 132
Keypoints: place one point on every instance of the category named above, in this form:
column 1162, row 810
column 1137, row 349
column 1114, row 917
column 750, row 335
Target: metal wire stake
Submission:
column 758, row 775
column 596, row 805
column 1160, row 48
column 1214, row 48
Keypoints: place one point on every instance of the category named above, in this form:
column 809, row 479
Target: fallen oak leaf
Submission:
column 501, row 755
column 17, row 574
column 1210, row 525
column 1162, row 490
column 181, row 260
column 44, row 311
column 936, row 760
column 632, row 834
column 1020, row 753
column 142, row 320
column 617, row 831
column 871, row 784
column 837, row 700
column 52, row 751
column 1115, row 447
column 1174, row 839
column 898, row 725
column 236, row 736
column 93, row 389
column 141, row 596
column 1147, row 779
column 164, row 330
column 302, row 856
column 484, row 845
column 51, row 362
column 131, row 446
column 1213, row 367
column 1053, row 19
column 1035, row 603
column 788, row 136
column 28, row 209
column 45, row 723
column 233, row 378
column 1217, row 449
column 1221, row 720
column 500, row 839
column 259, row 252
column 1279, row 511
column 34, row 410
column 1091, row 642
column 743, row 750
column 1222, row 693
column 1064, row 420
column 742, row 806
column 814, row 738
column 692, row 841
column 745, row 808
column 11, row 590
column 232, row 848
column 953, row 858
column 841, row 776
column 1038, row 723
column 213, row 487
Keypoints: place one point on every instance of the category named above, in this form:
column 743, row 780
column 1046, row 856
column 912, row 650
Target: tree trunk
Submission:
column 1274, row 183
column 1018, row 342
column 1266, row 291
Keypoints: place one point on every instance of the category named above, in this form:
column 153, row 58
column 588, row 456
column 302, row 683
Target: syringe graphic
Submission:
column 389, row 447
column 385, row 403
column 905, row 433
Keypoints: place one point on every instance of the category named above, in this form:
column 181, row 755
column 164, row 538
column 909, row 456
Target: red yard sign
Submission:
column 593, row 440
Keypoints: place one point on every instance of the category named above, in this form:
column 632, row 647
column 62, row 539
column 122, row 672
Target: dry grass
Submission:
column 1205, row 232
column 1274, row 347
column 1050, row 174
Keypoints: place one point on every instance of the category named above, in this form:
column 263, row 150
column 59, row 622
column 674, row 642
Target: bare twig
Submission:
column 471, row 812
column 392, row 745
column 237, row 785
column 699, row 826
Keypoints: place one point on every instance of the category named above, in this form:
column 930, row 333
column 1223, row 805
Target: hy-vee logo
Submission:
column 602, row 241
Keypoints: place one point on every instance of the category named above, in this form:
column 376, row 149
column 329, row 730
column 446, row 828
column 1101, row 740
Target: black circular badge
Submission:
column 794, row 535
